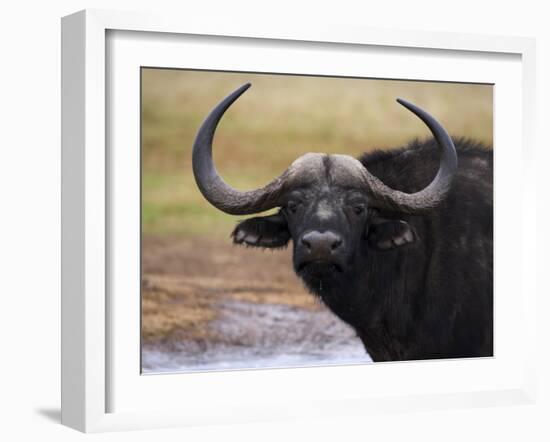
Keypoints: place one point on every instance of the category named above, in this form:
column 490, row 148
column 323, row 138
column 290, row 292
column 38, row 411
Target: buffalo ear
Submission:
column 263, row 231
column 387, row 234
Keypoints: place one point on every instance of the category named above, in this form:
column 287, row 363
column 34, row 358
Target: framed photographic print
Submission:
column 255, row 229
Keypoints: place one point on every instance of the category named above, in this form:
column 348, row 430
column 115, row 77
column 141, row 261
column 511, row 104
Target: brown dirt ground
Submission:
column 184, row 279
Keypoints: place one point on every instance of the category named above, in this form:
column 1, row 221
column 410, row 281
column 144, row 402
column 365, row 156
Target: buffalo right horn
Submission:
column 212, row 186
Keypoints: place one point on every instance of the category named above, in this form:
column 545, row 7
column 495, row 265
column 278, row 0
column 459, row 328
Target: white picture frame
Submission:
column 88, row 321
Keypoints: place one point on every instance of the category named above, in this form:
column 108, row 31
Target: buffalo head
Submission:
column 328, row 204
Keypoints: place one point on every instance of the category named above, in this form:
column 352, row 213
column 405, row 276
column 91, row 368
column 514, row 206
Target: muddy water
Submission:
column 209, row 305
column 261, row 336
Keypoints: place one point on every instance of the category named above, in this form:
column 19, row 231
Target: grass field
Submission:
column 278, row 119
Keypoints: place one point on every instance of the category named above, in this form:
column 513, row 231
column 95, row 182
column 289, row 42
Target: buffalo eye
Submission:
column 292, row 206
column 356, row 202
column 358, row 209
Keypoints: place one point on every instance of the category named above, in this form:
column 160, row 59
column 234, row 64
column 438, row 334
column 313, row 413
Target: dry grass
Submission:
column 185, row 279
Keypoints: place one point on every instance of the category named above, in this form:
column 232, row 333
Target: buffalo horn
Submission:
column 429, row 197
column 212, row 186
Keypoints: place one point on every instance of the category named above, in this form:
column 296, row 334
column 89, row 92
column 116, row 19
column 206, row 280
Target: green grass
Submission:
column 171, row 204
column 277, row 120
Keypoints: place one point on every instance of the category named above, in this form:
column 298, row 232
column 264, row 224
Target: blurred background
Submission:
column 207, row 304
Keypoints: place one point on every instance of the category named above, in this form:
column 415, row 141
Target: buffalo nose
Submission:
column 321, row 244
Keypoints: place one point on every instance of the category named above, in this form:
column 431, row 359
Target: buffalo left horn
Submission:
column 432, row 195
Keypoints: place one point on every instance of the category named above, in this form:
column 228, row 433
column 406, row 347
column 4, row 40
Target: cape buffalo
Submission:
column 402, row 256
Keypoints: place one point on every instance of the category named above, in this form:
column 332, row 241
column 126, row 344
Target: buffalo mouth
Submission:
column 319, row 267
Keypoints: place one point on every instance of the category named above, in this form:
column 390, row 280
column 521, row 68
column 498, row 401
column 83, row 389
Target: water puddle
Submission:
column 261, row 336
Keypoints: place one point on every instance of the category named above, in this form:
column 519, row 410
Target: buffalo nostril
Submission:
column 321, row 244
